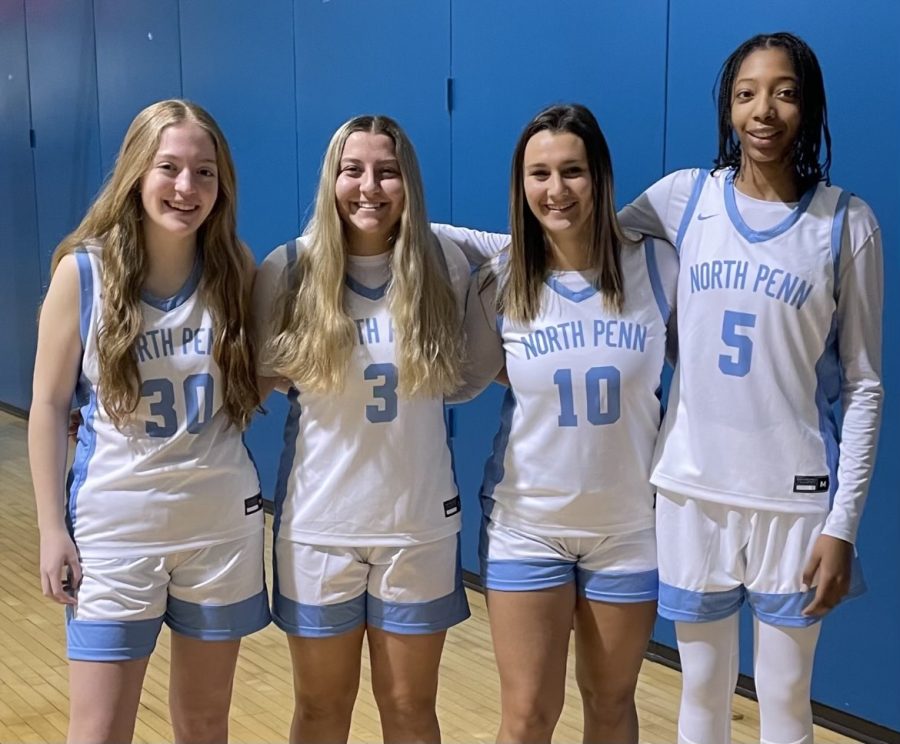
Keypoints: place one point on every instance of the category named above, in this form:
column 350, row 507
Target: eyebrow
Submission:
column 782, row 79
column 574, row 161
column 172, row 156
column 346, row 159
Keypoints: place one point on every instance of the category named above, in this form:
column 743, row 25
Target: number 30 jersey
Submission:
column 580, row 420
column 774, row 325
column 363, row 466
column 176, row 476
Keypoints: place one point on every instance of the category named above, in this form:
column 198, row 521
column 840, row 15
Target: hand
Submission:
column 60, row 566
column 830, row 563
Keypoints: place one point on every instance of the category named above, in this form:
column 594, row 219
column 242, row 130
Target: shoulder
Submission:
column 862, row 225
column 456, row 259
column 680, row 183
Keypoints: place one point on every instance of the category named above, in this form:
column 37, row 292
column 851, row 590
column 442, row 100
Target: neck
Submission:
column 170, row 262
column 768, row 181
column 365, row 244
column 567, row 252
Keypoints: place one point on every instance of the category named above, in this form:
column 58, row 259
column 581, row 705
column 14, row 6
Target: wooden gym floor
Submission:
column 33, row 681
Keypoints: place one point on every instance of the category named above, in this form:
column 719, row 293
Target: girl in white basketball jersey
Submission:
column 145, row 322
column 576, row 310
column 779, row 318
column 362, row 316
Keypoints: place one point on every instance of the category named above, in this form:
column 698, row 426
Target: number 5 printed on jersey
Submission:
column 733, row 325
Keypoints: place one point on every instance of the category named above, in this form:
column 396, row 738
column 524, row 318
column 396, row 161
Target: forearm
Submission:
column 47, row 451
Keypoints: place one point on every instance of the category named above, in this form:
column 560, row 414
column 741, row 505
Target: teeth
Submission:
column 368, row 205
column 181, row 207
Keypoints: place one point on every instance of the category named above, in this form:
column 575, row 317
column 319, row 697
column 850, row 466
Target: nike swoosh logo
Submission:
column 706, row 216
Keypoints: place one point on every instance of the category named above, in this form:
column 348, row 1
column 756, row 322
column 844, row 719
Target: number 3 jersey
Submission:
column 579, row 423
column 775, row 322
column 176, row 476
column 363, row 466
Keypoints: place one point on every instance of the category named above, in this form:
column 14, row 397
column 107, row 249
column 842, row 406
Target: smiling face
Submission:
column 765, row 108
column 557, row 184
column 180, row 188
column 369, row 191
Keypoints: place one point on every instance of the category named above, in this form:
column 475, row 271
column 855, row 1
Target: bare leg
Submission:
column 405, row 682
column 103, row 700
column 531, row 642
column 326, row 680
column 610, row 641
column 201, row 678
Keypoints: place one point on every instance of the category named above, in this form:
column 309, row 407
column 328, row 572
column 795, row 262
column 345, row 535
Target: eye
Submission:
column 164, row 166
column 573, row 171
column 207, row 172
column 790, row 94
column 743, row 95
column 389, row 173
column 540, row 175
column 351, row 169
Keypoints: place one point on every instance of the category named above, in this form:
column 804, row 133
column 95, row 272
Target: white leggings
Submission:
column 783, row 665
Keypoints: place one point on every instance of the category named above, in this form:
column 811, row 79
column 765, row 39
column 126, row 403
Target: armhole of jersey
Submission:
column 655, row 281
column 86, row 293
column 837, row 237
column 292, row 251
column 691, row 206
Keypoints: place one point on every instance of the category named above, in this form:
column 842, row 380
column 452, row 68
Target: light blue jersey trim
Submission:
column 85, row 446
column 759, row 236
column 182, row 295
column 494, row 469
column 655, row 281
column 292, row 251
column 575, row 295
column 86, row 293
column 418, row 618
column 288, row 452
column 683, row 605
column 314, row 621
column 828, row 366
column 111, row 640
column 641, row 586
column 690, row 207
column 370, row 293
column 837, row 234
column 219, row 622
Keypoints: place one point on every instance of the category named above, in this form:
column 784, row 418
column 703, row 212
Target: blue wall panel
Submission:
column 63, row 78
column 860, row 56
column 510, row 59
column 138, row 62
column 390, row 57
column 238, row 62
column 20, row 280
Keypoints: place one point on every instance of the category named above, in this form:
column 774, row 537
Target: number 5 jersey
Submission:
column 779, row 318
column 177, row 475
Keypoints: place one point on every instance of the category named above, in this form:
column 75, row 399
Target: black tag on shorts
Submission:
column 810, row 483
column 451, row 507
column 253, row 504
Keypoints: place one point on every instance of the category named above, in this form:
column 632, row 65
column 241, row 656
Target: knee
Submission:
column 406, row 706
column 200, row 726
column 310, row 708
column 529, row 720
column 607, row 705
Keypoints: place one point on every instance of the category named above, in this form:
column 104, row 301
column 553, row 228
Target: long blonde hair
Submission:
column 114, row 221
column 314, row 335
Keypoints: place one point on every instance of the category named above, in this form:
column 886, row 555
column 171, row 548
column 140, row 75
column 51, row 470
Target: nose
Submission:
column 369, row 182
column 556, row 185
column 765, row 108
column 184, row 182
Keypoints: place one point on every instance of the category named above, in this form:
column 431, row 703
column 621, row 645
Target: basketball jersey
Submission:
column 364, row 466
column 177, row 476
column 751, row 419
column 579, row 422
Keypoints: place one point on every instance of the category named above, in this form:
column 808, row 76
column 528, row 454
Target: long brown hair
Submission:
column 528, row 264
column 113, row 221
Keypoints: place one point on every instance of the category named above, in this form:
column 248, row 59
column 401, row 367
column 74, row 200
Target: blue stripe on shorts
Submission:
column 111, row 640
column 317, row 621
column 418, row 618
column 641, row 586
column 219, row 622
column 526, row 576
column 683, row 605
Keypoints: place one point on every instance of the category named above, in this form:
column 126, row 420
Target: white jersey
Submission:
column 579, row 423
column 177, row 476
column 776, row 322
column 364, row 466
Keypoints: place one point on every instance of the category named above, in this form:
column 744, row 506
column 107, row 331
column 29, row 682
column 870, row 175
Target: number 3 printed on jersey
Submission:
column 385, row 393
column 198, row 404
column 735, row 336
